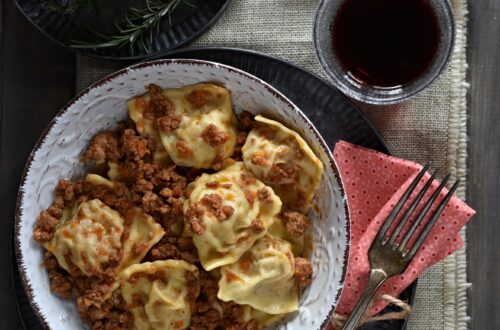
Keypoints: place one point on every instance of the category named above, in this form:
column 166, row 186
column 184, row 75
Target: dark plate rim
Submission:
column 201, row 31
column 294, row 108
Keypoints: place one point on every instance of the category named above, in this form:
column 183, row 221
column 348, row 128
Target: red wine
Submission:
column 385, row 43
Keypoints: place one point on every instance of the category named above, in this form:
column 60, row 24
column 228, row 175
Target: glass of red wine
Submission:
column 383, row 51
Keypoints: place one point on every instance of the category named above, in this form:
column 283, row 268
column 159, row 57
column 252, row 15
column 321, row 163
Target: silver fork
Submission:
column 388, row 258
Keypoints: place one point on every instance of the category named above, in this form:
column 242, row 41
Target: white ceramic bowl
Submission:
column 100, row 107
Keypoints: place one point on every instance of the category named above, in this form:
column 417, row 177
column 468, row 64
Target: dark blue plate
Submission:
column 335, row 117
column 185, row 24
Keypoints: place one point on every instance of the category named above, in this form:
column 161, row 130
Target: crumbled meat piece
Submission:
column 247, row 178
column 250, row 196
column 189, row 257
column 183, row 149
column 226, row 185
column 152, row 203
column 115, row 197
column 257, row 225
column 116, row 319
column 198, row 98
column 303, row 271
column 258, row 160
column 134, row 147
column 60, row 284
column 65, row 188
column 159, row 105
column 94, row 295
column 218, row 161
column 168, row 123
column 212, row 185
column 162, row 110
column 45, row 227
column 164, row 249
column 103, row 147
column 209, row 287
column 240, row 142
column 193, row 290
column 247, row 120
column 265, row 196
column 50, row 261
column 250, row 325
column 282, row 173
column 193, row 219
column 143, row 186
column 214, row 204
column 213, row 136
column 296, row 223
column 60, row 281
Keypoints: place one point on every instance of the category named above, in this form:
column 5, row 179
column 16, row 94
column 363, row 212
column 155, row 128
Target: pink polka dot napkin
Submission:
column 374, row 182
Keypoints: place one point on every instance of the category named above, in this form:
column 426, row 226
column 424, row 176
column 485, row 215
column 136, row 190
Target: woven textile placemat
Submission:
column 430, row 127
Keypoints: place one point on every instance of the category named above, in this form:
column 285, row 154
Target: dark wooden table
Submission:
column 37, row 78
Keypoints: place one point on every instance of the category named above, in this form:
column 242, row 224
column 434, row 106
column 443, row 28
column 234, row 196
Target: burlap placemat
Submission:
column 430, row 127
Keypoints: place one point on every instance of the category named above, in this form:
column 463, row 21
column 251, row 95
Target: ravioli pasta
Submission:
column 263, row 278
column 158, row 293
column 223, row 237
column 89, row 239
column 206, row 134
column 281, row 158
column 201, row 131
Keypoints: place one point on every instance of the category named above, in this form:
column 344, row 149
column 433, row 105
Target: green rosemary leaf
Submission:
column 137, row 26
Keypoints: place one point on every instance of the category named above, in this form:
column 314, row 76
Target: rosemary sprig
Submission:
column 67, row 7
column 138, row 26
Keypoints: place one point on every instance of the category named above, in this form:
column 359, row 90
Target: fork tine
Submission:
column 433, row 220
column 390, row 219
column 422, row 215
column 412, row 208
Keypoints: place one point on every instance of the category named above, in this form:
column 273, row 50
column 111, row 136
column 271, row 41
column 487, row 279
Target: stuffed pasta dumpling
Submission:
column 226, row 213
column 263, row 278
column 281, row 158
column 159, row 293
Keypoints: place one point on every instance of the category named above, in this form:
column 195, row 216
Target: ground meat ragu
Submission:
column 193, row 219
column 257, row 225
column 161, row 110
column 103, row 147
column 265, row 196
column 240, row 142
column 213, row 136
column 134, row 147
column 214, row 204
column 303, row 271
column 198, row 98
column 61, row 282
column 183, row 149
column 208, row 317
column 296, row 223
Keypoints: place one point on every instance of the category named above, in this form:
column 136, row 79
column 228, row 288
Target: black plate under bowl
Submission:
column 332, row 113
column 190, row 19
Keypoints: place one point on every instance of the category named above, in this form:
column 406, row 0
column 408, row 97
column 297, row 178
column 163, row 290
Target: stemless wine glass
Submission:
column 345, row 82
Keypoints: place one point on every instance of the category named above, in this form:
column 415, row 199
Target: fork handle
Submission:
column 377, row 277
